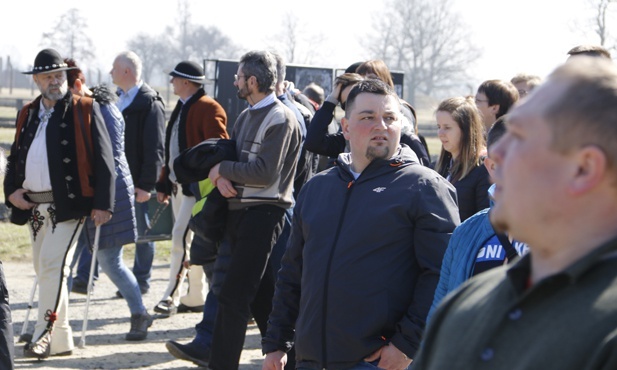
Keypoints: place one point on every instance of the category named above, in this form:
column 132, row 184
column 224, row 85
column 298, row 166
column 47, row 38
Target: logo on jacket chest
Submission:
column 379, row 189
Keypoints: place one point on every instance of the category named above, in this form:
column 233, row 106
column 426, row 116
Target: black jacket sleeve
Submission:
column 153, row 141
column 435, row 219
column 286, row 301
column 317, row 139
column 416, row 145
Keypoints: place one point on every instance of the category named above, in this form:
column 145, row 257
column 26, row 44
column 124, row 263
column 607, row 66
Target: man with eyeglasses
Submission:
column 258, row 188
column 524, row 83
column 494, row 98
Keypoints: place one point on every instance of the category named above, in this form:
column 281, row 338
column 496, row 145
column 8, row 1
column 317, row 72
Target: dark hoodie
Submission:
column 362, row 261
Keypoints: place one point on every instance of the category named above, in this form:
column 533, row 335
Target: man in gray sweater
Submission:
column 259, row 187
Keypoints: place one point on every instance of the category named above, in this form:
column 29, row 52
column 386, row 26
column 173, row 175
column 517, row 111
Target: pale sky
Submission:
column 529, row 36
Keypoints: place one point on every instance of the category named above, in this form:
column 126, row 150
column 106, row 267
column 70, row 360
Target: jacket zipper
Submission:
column 328, row 267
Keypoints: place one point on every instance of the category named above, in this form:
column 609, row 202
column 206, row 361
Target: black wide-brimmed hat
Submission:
column 48, row 60
column 190, row 71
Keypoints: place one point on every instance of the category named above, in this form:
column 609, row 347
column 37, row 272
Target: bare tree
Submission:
column 601, row 26
column 70, row 38
column 153, row 53
column 426, row 40
column 299, row 43
column 182, row 41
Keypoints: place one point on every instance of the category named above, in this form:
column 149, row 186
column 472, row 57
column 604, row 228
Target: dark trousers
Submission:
column 248, row 287
column 6, row 326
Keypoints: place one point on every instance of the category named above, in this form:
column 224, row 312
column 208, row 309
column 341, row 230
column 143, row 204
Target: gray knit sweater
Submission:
column 267, row 145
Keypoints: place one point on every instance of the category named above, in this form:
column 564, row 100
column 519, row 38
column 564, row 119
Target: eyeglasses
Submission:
column 237, row 77
column 481, row 101
column 522, row 93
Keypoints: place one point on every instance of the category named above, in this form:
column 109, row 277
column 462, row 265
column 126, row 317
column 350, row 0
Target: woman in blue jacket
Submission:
column 121, row 229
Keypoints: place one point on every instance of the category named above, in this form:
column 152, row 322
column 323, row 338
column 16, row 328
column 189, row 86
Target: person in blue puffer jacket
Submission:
column 475, row 246
column 121, row 229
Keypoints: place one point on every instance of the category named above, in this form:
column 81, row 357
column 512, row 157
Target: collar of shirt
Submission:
column 269, row 99
column 521, row 270
column 44, row 113
column 185, row 100
column 126, row 98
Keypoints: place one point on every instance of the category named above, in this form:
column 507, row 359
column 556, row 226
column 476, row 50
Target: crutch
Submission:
column 95, row 248
column 26, row 337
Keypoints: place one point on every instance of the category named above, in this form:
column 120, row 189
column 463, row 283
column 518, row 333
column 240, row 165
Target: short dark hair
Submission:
column 315, row 93
column 369, row 85
column 499, row 92
column 261, row 65
column 496, row 131
column 590, row 50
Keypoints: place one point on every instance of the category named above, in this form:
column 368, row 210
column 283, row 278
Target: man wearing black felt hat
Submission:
column 61, row 170
column 195, row 118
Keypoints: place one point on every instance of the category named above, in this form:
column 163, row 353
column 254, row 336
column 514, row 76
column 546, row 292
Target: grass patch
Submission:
column 7, row 135
column 15, row 243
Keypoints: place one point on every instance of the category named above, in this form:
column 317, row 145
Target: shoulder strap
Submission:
column 511, row 253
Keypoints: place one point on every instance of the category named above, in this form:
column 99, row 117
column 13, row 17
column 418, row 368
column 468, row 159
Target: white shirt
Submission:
column 269, row 99
column 37, row 168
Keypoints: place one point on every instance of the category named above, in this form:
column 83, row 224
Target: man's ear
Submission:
column 590, row 170
column 345, row 127
column 494, row 109
column 490, row 166
column 77, row 85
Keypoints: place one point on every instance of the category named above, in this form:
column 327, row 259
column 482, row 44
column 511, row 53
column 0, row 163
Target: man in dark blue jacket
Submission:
column 367, row 240
column 144, row 115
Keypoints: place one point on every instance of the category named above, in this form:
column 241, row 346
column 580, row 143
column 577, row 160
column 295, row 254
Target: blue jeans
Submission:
column 111, row 263
column 144, row 252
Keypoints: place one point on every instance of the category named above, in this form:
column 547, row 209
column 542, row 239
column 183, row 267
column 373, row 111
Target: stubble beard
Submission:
column 242, row 94
column 380, row 152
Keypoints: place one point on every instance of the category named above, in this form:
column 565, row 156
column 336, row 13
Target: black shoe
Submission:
column 79, row 287
column 166, row 308
column 39, row 349
column 63, row 354
column 182, row 308
column 189, row 352
column 139, row 326
column 141, row 290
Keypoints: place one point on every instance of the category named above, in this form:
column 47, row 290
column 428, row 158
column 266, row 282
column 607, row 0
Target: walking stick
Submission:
column 84, row 327
column 26, row 337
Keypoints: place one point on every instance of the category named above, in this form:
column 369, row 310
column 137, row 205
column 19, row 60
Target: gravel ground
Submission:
column 108, row 322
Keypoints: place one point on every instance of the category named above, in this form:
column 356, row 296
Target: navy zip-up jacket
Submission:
column 362, row 262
